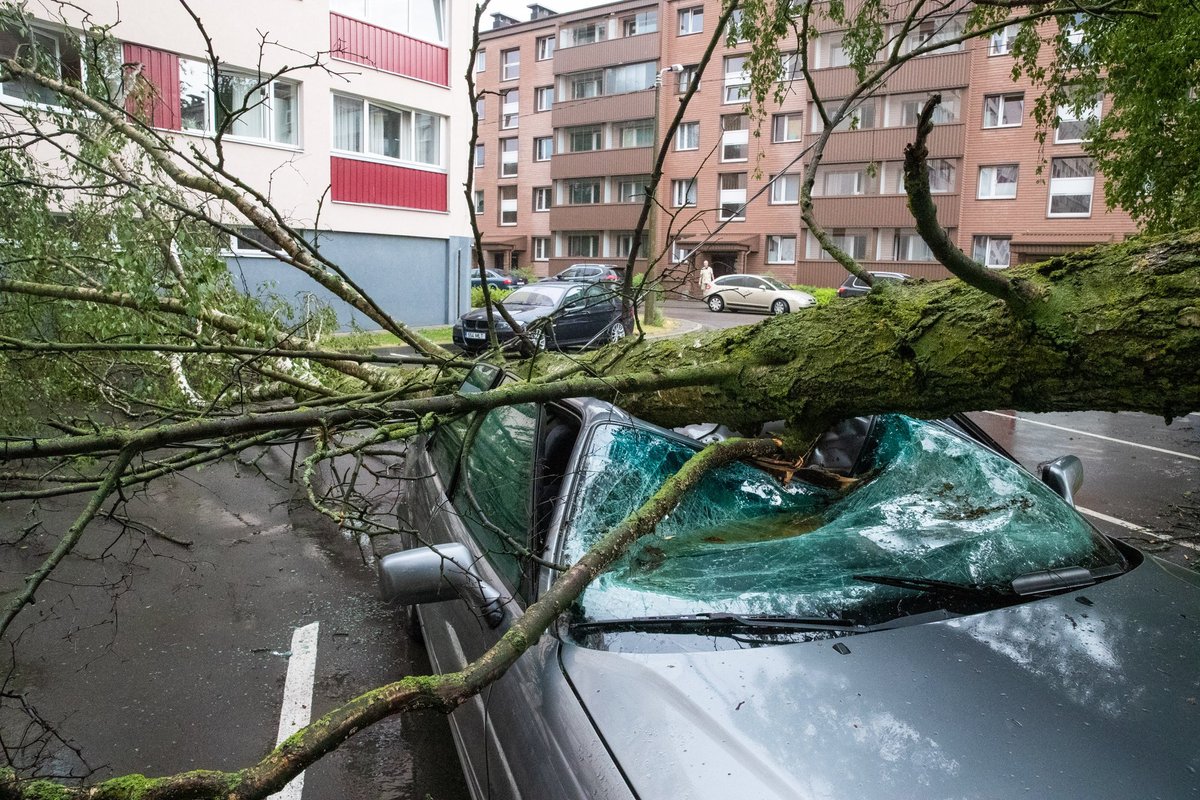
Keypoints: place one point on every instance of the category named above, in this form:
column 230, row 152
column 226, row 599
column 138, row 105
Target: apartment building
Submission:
column 576, row 102
column 365, row 154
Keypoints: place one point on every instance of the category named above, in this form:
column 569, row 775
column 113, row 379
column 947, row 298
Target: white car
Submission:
column 760, row 293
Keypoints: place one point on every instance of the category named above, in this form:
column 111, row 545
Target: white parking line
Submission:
column 1094, row 435
column 297, row 696
column 1140, row 529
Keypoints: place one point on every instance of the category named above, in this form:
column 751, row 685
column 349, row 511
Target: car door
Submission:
column 759, row 294
column 568, row 321
column 485, row 501
column 735, row 292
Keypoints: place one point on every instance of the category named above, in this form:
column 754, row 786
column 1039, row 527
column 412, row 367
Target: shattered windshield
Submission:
column 929, row 504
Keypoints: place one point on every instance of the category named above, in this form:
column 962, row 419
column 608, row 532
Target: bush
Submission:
column 497, row 295
column 823, row 294
column 527, row 273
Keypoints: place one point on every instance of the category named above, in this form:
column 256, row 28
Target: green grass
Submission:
column 823, row 294
column 442, row 334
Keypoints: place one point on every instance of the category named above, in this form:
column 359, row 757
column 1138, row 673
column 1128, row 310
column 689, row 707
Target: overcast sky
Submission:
column 519, row 9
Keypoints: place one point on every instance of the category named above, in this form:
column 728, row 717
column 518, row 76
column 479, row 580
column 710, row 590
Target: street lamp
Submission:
column 651, row 304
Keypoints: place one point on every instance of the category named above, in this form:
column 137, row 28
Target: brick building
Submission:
column 573, row 103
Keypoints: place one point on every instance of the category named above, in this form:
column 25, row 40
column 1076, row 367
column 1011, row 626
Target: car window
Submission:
column 447, row 439
column 573, row 295
column 495, row 495
column 759, row 285
column 930, row 505
column 534, row 296
column 775, row 283
column 598, row 294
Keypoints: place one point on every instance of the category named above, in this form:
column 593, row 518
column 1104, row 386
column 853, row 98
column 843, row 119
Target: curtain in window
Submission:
column 347, row 124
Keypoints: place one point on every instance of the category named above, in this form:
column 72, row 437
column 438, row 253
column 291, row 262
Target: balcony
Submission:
column 887, row 144
column 880, row 211
column 946, row 71
column 596, row 110
column 626, row 161
column 597, row 217
column 612, row 52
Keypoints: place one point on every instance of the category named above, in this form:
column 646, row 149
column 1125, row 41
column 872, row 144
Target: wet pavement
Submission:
column 146, row 656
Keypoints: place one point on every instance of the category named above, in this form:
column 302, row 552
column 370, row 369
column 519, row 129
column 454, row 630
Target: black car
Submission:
column 498, row 280
column 591, row 273
column 557, row 314
column 853, row 287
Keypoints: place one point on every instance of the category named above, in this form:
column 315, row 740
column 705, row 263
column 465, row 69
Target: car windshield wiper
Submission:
column 686, row 623
column 935, row 586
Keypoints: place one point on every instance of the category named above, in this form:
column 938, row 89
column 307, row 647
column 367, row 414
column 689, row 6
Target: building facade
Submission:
column 363, row 153
column 574, row 104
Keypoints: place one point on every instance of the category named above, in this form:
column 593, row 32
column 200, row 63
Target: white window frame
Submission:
column 683, row 193
column 787, row 118
column 1071, row 187
column 479, row 202
column 779, row 189
column 731, row 197
column 592, row 239
column 509, row 158
column 542, row 198
column 510, row 112
column 691, row 20
column 633, row 190
column 737, row 82
column 985, row 242
column 777, row 242
column 989, row 182
column 1065, row 114
column 481, row 61
column 480, row 155
column 508, row 205
column 1002, row 40
column 544, row 47
column 366, row 155
column 543, row 98
column 510, row 70
column 594, row 189
column 370, row 15
column 251, row 252
column 540, row 144
column 914, row 240
column 541, row 248
column 1003, row 100
column 686, row 131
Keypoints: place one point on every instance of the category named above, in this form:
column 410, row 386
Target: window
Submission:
column 737, row 82
column 932, row 32
column 541, row 248
column 905, row 110
column 1075, row 126
column 583, row 85
column 1071, row 183
column 479, row 155
column 633, row 190
column 37, row 45
column 686, row 78
column 543, row 98
column 510, row 64
column 625, row 245
column 481, row 61
column 541, row 198
column 842, row 183
column 909, row 246
column 639, row 133
column 583, row 33
column 543, row 148
column 991, row 251
column 253, row 243
column 195, row 98
column 423, row 19
column 1002, row 40
column 790, row 67
column 249, row 108
column 941, row 175
column 735, row 137
column 544, row 47
column 480, row 108
column 781, row 249
column 1003, row 110
column 691, row 20
column 687, row 136
column 583, row 245
column 998, row 182
column 831, row 51
column 732, row 198
column 642, row 22
column 853, row 243
column 363, row 126
column 586, row 191
column 509, row 109
column 860, row 118
column 786, row 128
column 785, row 190
column 508, row 158
column 508, row 205
column 630, row 77
column 735, row 28
column 478, row 201
column 582, row 140
column 683, row 193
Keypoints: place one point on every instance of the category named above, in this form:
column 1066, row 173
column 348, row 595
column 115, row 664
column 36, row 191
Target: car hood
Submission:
column 1089, row 694
column 520, row 313
column 803, row 298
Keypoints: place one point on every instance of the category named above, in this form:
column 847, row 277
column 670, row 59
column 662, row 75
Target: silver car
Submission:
column 915, row 617
column 760, row 293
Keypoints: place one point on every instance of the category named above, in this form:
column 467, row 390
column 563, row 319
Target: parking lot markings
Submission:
column 1174, row 453
column 297, row 696
column 1134, row 527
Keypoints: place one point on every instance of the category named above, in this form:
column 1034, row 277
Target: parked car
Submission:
column 853, row 287
column 760, row 293
column 558, row 314
column 949, row 626
column 590, row 273
column 498, row 280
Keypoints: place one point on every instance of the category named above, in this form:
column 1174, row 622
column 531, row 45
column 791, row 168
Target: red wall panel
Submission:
column 161, row 71
column 367, row 182
column 363, row 43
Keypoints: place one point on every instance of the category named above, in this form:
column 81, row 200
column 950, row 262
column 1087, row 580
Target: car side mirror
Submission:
column 436, row 573
column 1065, row 476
